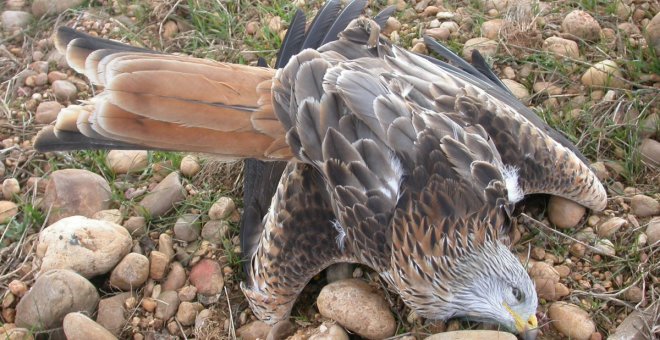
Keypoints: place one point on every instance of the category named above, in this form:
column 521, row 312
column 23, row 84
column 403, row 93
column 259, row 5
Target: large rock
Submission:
column 89, row 247
column 131, row 273
column 8, row 210
column 581, row 25
column 111, row 314
column 485, row 46
column 561, row 47
column 207, row 277
column 604, row 73
column 12, row 20
column 54, row 295
column 78, row 326
column 356, row 306
column 644, row 206
column 571, row 320
column 653, row 33
column 47, row 112
column 75, row 192
column 126, row 161
column 564, row 213
column 164, row 196
column 649, row 149
column 50, row 7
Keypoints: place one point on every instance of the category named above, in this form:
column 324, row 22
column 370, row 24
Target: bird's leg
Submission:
column 297, row 242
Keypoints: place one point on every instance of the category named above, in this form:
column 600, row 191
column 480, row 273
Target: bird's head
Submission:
column 488, row 285
column 500, row 292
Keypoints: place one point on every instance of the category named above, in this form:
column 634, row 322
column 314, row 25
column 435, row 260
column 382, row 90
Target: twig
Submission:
column 231, row 332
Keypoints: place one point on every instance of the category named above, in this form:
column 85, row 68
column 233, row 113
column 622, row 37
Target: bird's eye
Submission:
column 518, row 294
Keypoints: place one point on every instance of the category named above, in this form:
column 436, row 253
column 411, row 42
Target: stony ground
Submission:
column 157, row 254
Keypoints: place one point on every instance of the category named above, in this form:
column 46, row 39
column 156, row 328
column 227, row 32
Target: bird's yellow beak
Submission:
column 521, row 325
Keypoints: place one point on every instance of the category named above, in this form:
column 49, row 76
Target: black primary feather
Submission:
column 350, row 12
column 293, row 40
column 321, row 23
column 480, row 64
column 382, row 16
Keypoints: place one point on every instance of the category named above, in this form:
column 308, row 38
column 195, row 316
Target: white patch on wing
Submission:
column 341, row 234
column 510, row 174
column 394, row 184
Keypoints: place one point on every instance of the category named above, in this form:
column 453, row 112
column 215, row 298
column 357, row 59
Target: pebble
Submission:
column 187, row 227
column 14, row 5
column 281, row 330
column 633, row 294
column 53, row 295
column 136, row 226
column 519, row 90
column 78, row 326
column 170, row 29
column 253, row 330
column 581, row 25
column 561, row 47
column 571, row 320
column 649, row 149
column 10, row 188
column 190, row 166
column 215, row 231
column 577, row 249
column 131, row 272
column 329, row 332
column 158, row 264
column 15, row 20
column 127, row 161
column 176, row 277
column 564, row 213
column 75, row 192
column 605, row 73
column 149, row 304
column 164, row 196
column 653, row 231
column 47, row 112
column 644, row 206
column 222, row 208
column 111, row 313
column 86, row 246
column 64, row 90
column 56, row 75
column 356, row 306
column 187, row 312
column 472, row 335
column 166, row 305
column 487, row 48
column 450, row 26
column 17, row 287
column 166, row 246
column 50, row 7
column 438, row 33
column 608, row 228
column 391, row 25
column 9, row 331
column 187, row 293
column 8, row 210
column 491, row 28
column 606, row 247
column 206, row 276
column 109, row 215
